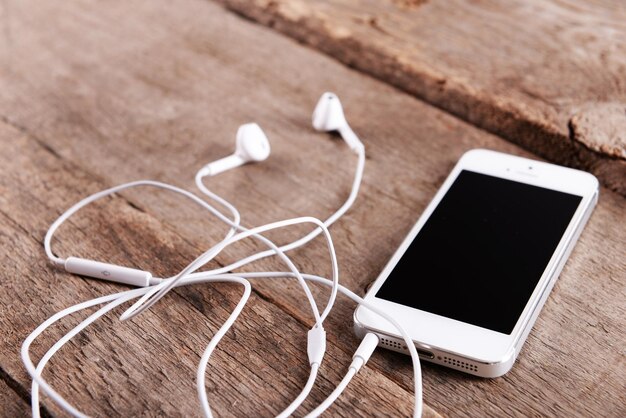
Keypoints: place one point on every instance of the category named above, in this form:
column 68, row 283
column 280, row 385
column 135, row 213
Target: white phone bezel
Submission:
column 466, row 340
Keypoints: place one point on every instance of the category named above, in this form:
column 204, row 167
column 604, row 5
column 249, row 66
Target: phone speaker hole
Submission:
column 398, row 346
column 461, row 365
column 393, row 344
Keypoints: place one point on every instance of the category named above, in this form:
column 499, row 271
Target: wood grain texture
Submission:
column 92, row 96
column 11, row 404
column 525, row 70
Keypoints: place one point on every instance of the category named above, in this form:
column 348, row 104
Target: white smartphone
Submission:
column 473, row 273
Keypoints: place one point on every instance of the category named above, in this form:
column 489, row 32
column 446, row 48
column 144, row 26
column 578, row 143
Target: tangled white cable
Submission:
column 252, row 145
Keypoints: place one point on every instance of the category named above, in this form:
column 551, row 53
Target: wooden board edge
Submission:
column 517, row 125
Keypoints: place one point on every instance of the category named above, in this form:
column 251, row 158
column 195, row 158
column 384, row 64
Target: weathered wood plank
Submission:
column 548, row 75
column 100, row 86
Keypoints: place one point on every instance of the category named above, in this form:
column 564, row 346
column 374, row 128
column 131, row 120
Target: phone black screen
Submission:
column 481, row 253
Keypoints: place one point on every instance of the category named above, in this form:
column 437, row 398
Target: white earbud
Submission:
column 252, row 146
column 328, row 116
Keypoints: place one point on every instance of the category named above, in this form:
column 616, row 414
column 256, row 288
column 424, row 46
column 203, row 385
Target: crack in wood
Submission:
column 21, row 391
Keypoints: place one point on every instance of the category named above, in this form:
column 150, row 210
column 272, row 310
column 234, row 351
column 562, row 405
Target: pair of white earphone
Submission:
column 251, row 146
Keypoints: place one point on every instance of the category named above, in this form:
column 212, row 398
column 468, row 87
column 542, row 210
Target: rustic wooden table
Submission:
column 95, row 94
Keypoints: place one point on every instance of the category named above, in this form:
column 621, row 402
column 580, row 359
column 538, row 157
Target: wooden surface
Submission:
column 539, row 73
column 92, row 95
column 12, row 404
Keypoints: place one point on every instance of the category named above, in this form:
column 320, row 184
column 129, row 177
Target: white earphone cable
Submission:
column 234, row 224
column 114, row 301
column 122, row 297
column 167, row 284
column 158, row 288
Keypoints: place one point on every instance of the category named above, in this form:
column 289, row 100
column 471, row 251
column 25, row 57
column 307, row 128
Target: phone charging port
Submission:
column 424, row 353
